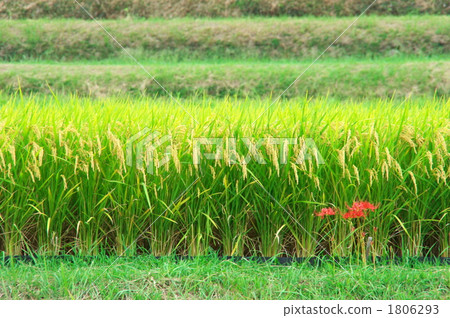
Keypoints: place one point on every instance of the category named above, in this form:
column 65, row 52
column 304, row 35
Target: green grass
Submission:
column 240, row 38
column 211, row 278
column 65, row 186
column 125, row 60
column 347, row 78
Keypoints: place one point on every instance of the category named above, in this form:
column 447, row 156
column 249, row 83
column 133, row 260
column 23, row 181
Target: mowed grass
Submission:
column 67, row 187
column 350, row 78
column 212, row 278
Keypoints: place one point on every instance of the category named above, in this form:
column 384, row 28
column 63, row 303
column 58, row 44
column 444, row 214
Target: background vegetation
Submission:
column 200, row 39
column 349, row 79
column 117, row 9
column 378, row 57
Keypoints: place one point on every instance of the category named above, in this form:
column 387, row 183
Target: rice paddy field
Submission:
column 224, row 129
column 67, row 187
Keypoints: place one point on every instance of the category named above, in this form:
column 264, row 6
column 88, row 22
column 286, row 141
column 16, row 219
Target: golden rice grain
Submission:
column 2, row 161
column 99, row 145
column 429, row 155
column 36, row 171
column 355, row 149
column 317, row 182
column 407, row 135
column 75, row 166
column 440, row 156
column 372, row 176
column 425, row 169
column 54, row 154
column 64, row 181
column 142, row 172
column 413, row 178
column 341, row 160
column 310, row 168
column 356, row 172
column 225, row 181
column 61, row 137
column 441, row 143
column 10, row 174
column 36, row 131
column 441, row 173
column 377, row 139
column 67, row 151
column 85, row 169
column 175, row 158
column 377, row 154
column 397, row 168
column 117, row 150
column 31, row 174
column 12, row 151
column 213, row 171
column 40, row 156
column 385, row 169
column 244, row 167
column 388, row 157
column 294, row 168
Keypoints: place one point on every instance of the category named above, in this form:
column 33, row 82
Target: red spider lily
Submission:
column 358, row 208
column 324, row 212
column 365, row 205
column 354, row 214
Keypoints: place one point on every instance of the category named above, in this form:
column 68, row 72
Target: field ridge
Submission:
column 203, row 39
column 346, row 79
column 116, row 9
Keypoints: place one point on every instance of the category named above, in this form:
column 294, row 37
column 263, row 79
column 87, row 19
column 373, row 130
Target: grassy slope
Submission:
column 187, row 39
column 410, row 56
column 20, row 9
column 347, row 78
column 210, row 278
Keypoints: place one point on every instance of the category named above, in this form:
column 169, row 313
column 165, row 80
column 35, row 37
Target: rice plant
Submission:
column 66, row 185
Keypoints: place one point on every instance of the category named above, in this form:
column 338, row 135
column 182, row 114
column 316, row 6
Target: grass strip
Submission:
column 346, row 79
column 188, row 39
column 314, row 261
column 212, row 278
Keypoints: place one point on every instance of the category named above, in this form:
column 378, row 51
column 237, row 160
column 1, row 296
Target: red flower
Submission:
column 365, row 205
column 354, row 214
column 324, row 212
column 358, row 208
